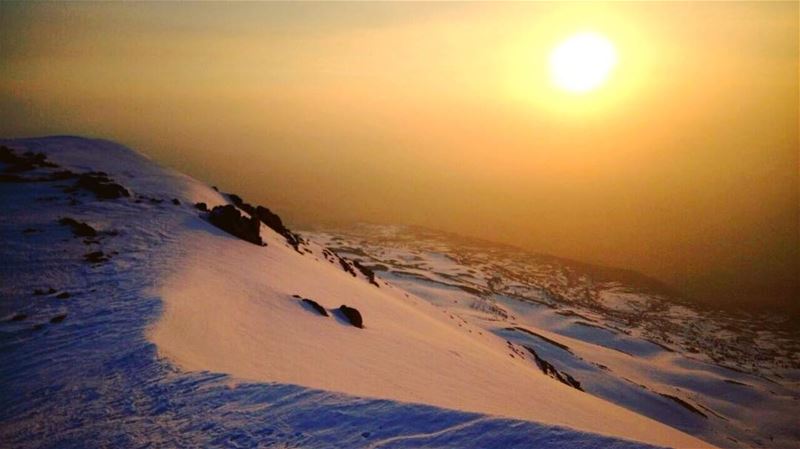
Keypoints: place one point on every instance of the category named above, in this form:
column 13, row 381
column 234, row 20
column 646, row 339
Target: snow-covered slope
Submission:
column 158, row 327
column 730, row 378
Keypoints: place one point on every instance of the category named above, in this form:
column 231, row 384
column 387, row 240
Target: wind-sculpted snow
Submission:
column 617, row 335
column 76, row 367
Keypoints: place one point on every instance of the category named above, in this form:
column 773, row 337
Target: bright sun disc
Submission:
column 582, row 63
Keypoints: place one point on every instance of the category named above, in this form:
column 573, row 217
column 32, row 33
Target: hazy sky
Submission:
column 683, row 166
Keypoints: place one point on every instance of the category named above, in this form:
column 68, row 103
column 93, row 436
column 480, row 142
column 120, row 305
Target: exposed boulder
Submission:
column 269, row 218
column 352, row 315
column 58, row 318
column 230, row 220
column 201, row 207
column 239, row 202
column 40, row 292
column 96, row 257
column 25, row 162
column 79, row 229
column 273, row 221
column 315, row 305
column 101, row 185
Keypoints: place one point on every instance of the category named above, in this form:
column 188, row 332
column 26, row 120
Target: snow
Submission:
column 230, row 309
column 191, row 337
column 619, row 346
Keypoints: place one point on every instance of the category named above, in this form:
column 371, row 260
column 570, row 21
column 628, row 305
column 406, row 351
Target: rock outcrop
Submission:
column 352, row 315
column 548, row 369
column 101, row 185
column 79, row 229
column 315, row 305
column 269, row 218
column 366, row 272
column 230, row 220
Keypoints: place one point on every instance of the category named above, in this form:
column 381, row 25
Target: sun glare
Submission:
column 582, row 63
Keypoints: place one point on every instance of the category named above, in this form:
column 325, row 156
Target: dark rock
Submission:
column 379, row 267
column 101, row 185
column 201, row 206
column 548, row 369
column 29, row 231
column 236, row 200
column 365, row 434
column 63, row 295
column 7, row 155
column 62, row 175
column 79, row 229
column 366, row 272
column 571, row 381
column 315, row 305
column 25, row 162
column 96, row 257
column 40, row 292
column 176, row 202
column 230, row 220
column 18, row 317
column 352, row 315
column 269, row 218
column 6, row 177
column 346, row 266
column 58, row 318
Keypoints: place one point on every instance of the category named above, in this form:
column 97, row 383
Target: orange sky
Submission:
column 683, row 166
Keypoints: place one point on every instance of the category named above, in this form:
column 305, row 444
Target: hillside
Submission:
column 134, row 314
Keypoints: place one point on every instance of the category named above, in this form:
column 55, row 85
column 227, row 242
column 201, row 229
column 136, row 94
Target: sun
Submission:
column 582, row 63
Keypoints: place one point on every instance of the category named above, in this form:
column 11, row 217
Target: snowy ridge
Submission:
column 182, row 335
